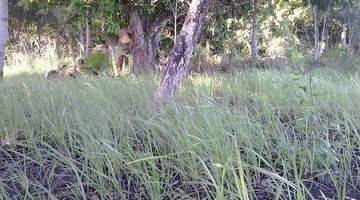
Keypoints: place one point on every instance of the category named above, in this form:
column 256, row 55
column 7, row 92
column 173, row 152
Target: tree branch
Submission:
column 157, row 27
column 160, row 22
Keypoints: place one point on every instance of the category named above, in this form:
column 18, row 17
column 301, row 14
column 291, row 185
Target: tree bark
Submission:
column 344, row 34
column 89, row 42
column 316, row 37
column 81, row 40
column 254, row 30
column 350, row 42
column 323, row 33
column 180, row 57
column 3, row 33
column 139, row 51
column 146, row 41
column 175, row 14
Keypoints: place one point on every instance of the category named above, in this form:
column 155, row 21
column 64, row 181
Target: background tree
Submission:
column 282, row 26
column 349, row 17
column 148, row 20
column 254, row 32
column 324, row 6
column 183, row 49
column 144, row 20
column 3, row 33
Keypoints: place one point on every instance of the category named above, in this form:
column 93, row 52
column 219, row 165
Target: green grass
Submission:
column 250, row 135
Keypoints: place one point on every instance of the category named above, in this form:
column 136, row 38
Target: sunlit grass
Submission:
column 20, row 59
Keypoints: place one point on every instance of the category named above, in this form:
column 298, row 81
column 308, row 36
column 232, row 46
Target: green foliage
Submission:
column 322, row 4
column 338, row 58
column 218, row 30
column 75, row 13
column 28, row 19
column 96, row 63
column 227, row 27
column 298, row 58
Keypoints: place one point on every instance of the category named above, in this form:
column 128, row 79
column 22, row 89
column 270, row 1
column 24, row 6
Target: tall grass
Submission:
column 41, row 58
column 250, row 135
column 23, row 59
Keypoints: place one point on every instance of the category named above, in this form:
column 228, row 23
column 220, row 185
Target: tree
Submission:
column 144, row 19
column 182, row 51
column 319, row 41
column 316, row 36
column 254, row 32
column 62, row 20
column 3, row 33
column 349, row 17
column 146, row 38
column 89, row 40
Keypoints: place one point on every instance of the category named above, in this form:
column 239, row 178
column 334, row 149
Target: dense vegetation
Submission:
column 232, row 27
column 268, row 106
column 251, row 135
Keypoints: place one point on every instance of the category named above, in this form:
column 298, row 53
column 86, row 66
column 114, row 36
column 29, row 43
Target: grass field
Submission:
column 251, row 135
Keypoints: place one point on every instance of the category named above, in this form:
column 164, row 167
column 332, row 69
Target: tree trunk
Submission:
column 89, row 42
column 344, row 34
column 323, row 33
column 254, row 39
column 182, row 51
column 3, row 33
column 81, row 41
column 146, row 41
column 142, row 53
column 350, row 42
column 316, row 37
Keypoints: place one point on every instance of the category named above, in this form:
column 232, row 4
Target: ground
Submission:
column 257, row 134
